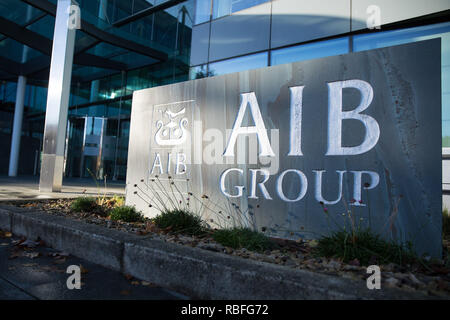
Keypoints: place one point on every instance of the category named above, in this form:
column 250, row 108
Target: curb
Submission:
column 195, row 272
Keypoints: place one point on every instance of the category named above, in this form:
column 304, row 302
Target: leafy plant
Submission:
column 126, row 214
column 167, row 197
column 100, row 199
column 180, row 221
column 113, row 202
column 84, row 204
column 360, row 241
column 242, row 238
column 365, row 246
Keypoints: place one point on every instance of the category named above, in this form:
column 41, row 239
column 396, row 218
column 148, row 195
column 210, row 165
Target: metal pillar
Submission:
column 57, row 100
column 17, row 126
column 18, row 112
column 95, row 84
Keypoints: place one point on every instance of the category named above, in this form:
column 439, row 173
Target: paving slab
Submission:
column 27, row 188
column 44, row 277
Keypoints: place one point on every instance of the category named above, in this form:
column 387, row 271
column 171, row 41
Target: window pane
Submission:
column 253, row 61
column 396, row 37
column 198, row 72
column 226, row 7
column 202, row 11
column 310, row 51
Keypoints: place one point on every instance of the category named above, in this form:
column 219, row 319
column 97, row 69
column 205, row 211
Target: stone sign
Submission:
column 299, row 150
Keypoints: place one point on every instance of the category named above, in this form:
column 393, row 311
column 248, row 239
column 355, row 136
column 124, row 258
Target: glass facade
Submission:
column 100, row 100
column 190, row 40
column 226, row 7
column 310, row 51
column 207, row 9
column 396, row 37
column 253, row 61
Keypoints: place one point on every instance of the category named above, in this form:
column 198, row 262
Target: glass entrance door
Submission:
column 97, row 147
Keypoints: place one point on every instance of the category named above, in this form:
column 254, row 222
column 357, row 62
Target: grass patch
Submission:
column 364, row 246
column 84, row 204
column 126, row 214
column 180, row 221
column 242, row 238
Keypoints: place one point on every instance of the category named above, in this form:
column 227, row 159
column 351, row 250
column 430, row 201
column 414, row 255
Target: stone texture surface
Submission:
column 407, row 203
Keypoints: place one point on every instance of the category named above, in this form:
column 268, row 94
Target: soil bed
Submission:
column 432, row 278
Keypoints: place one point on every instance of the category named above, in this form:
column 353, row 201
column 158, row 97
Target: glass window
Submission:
column 253, row 61
column 310, row 51
column 198, row 72
column 226, row 7
column 202, row 11
column 396, row 37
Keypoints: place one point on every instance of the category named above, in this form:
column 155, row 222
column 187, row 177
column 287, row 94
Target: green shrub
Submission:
column 126, row 214
column 364, row 246
column 84, row 204
column 180, row 221
column 242, row 238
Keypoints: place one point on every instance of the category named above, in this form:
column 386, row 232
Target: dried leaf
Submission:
column 32, row 255
column 17, row 242
column 59, row 260
column 29, row 265
column 15, row 254
column 29, row 244
column 128, row 276
column 148, row 284
column 58, row 255
column 354, row 262
column 313, row 243
column 83, row 270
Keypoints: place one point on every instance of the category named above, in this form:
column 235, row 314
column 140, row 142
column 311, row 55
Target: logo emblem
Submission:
column 173, row 132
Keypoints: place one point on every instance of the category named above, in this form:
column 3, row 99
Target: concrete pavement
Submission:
column 25, row 275
column 27, row 188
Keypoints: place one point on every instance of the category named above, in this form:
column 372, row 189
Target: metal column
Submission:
column 57, row 100
column 17, row 126
column 18, row 112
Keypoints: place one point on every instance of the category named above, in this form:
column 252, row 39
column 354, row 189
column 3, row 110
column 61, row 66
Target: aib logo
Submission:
column 172, row 132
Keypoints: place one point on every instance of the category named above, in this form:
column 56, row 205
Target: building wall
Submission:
column 278, row 23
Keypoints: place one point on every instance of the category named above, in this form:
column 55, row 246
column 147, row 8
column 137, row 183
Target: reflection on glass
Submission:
column 396, row 37
column 249, row 62
column 98, row 146
column 199, row 72
column 202, row 11
column 310, row 51
column 226, row 7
